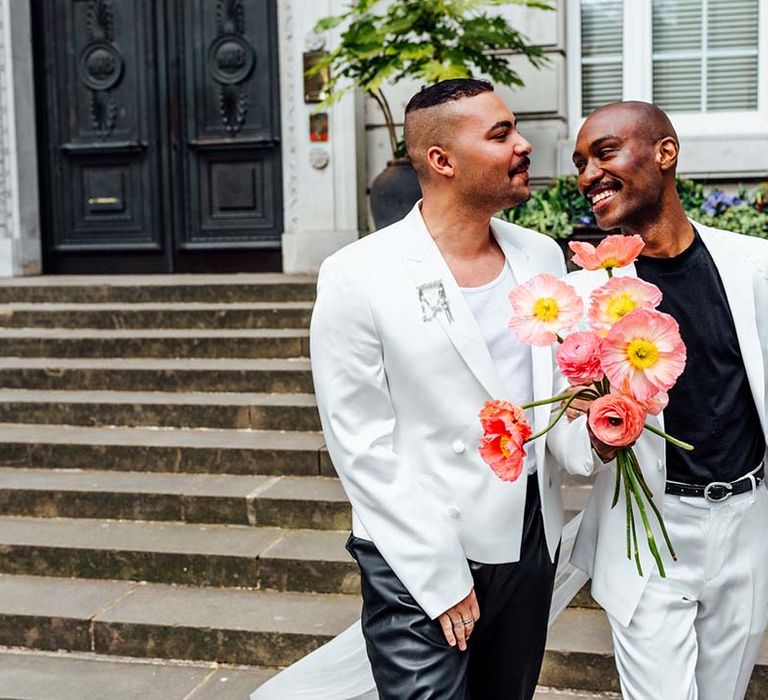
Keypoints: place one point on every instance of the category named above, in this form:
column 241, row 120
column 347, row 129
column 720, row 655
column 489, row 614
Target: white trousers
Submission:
column 696, row 634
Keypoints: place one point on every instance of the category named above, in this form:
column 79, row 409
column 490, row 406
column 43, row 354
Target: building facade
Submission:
column 181, row 135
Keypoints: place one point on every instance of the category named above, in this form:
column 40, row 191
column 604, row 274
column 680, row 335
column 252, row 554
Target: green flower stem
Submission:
column 544, row 402
column 652, row 503
column 617, row 487
column 669, row 438
column 630, row 517
column 646, row 523
column 568, row 399
column 627, row 467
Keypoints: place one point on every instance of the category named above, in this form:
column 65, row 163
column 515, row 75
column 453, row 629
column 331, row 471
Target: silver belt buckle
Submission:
column 725, row 491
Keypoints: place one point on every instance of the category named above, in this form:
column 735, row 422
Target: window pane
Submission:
column 677, row 85
column 732, row 24
column 705, row 55
column 600, row 84
column 677, row 25
column 601, row 53
column 732, row 84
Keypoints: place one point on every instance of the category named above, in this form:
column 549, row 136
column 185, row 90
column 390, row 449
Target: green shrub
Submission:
column 559, row 208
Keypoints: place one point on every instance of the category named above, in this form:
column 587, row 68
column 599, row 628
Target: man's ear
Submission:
column 667, row 152
column 440, row 161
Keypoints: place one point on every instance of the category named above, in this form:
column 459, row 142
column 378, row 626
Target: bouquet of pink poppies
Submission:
column 625, row 363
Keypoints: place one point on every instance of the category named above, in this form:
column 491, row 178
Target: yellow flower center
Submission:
column 546, row 309
column 503, row 444
column 642, row 353
column 610, row 263
column 619, row 306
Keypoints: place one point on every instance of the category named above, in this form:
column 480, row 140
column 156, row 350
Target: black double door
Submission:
column 158, row 135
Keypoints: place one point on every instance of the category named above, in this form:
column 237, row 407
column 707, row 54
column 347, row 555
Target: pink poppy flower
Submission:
column 505, row 429
column 616, row 419
column 543, row 307
column 643, row 353
column 579, row 358
column 612, row 251
column 617, row 297
column 653, row 406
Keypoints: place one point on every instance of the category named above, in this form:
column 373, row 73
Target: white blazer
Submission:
column 600, row 548
column 399, row 399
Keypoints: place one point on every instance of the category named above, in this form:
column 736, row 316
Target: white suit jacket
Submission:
column 600, row 548
column 399, row 399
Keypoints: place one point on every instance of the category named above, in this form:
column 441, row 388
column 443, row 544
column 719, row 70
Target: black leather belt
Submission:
column 718, row 490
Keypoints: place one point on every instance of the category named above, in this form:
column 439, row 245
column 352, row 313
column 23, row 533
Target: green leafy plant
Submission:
column 559, row 208
column 426, row 40
column 553, row 210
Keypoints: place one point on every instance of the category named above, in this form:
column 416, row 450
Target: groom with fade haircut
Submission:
column 409, row 339
column 696, row 633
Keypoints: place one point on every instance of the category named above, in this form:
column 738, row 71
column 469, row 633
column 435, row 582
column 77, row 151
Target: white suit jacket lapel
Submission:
column 426, row 264
column 738, row 284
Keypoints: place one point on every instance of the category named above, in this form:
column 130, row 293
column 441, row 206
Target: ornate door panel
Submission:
column 159, row 134
column 230, row 147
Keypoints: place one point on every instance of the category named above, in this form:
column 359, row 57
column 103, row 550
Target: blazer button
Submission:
column 659, row 464
column 453, row 513
column 459, row 447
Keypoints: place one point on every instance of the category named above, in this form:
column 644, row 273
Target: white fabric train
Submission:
column 340, row 669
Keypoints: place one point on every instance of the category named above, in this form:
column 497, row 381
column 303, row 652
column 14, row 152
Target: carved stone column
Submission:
column 20, row 247
column 322, row 182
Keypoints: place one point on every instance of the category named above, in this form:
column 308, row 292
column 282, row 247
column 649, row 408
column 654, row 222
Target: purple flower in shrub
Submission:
column 718, row 201
column 586, row 220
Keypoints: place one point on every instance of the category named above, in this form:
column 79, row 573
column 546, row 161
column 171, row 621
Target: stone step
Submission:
column 290, row 314
column 543, row 693
column 317, row 503
column 310, row 561
column 171, row 342
column 227, row 411
column 257, row 628
column 40, row 675
column 156, row 374
column 579, row 655
column 178, row 450
column 88, row 289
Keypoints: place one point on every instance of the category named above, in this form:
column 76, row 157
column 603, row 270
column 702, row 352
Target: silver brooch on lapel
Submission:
column 433, row 301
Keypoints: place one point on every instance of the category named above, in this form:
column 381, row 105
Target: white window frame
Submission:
column 638, row 76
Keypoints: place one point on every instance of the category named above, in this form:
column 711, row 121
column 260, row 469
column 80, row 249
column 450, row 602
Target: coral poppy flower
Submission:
column 505, row 429
column 612, row 251
column 643, row 353
column 616, row 420
column 617, row 297
column 579, row 358
column 543, row 307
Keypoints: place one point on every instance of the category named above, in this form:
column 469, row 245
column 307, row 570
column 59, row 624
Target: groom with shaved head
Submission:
column 409, row 339
column 696, row 633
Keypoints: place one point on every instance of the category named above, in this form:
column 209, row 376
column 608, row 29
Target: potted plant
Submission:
column 427, row 41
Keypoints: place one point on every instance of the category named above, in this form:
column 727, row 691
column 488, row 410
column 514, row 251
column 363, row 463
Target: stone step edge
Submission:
column 233, row 399
column 119, row 306
column 309, row 502
column 126, row 618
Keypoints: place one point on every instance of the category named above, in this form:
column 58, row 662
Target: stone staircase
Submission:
column 170, row 523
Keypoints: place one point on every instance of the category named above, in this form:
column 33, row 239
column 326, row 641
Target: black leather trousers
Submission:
column 409, row 655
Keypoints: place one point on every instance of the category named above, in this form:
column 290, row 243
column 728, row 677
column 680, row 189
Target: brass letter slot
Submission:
column 103, row 200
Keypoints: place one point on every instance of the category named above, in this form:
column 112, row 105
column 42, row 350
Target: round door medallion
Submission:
column 230, row 59
column 101, row 65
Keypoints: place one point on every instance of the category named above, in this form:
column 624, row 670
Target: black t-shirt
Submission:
column 711, row 405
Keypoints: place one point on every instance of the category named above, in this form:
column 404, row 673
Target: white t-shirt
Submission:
column 491, row 308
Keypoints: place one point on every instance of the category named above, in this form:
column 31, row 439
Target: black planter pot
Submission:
column 394, row 192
